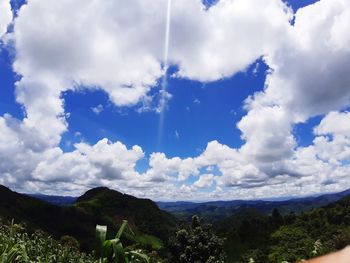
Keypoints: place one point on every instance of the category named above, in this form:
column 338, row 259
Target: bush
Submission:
column 17, row 246
column 197, row 244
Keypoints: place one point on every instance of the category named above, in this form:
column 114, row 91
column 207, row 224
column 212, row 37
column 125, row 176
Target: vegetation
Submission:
column 99, row 206
column 113, row 251
column 17, row 246
column 197, row 243
column 274, row 238
column 219, row 210
column 109, row 207
column 247, row 235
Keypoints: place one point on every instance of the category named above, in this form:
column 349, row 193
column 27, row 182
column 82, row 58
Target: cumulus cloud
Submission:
column 58, row 48
column 226, row 38
column 102, row 161
column 18, row 153
column 334, row 123
column 163, row 169
column 267, row 132
column 310, row 69
column 6, row 16
column 308, row 77
column 205, row 180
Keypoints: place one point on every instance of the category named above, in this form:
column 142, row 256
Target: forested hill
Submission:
column 97, row 206
column 219, row 210
column 276, row 238
column 113, row 206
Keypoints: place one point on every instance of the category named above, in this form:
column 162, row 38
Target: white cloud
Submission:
column 310, row 69
column 6, row 16
column 58, row 48
column 89, row 164
column 122, row 57
column 163, row 169
column 97, row 109
column 334, row 123
column 226, row 38
column 18, row 156
column 267, row 132
column 196, row 101
column 205, row 180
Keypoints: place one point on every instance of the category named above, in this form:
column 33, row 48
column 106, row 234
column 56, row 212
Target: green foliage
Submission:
column 113, row 251
column 70, row 241
column 142, row 214
column 289, row 238
column 197, row 244
column 98, row 206
column 291, row 244
column 16, row 246
column 148, row 241
column 247, row 236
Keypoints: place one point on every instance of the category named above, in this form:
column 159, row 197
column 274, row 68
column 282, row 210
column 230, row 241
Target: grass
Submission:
column 148, row 240
column 18, row 246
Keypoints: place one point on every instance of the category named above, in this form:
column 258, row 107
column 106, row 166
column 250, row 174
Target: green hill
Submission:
column 291, row 237
column 97, row 206
column 111, row 207
column 219, row 210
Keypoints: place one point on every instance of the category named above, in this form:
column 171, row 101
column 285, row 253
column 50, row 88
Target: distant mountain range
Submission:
column 219, row 210
column 55, row 199
column 79, row 219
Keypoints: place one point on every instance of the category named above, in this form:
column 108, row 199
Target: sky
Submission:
column 229, row 99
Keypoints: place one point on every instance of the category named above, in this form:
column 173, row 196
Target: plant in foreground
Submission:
column 113, row 251
column 16, row 246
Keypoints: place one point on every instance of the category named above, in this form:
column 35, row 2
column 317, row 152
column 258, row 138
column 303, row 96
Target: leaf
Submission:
column 119, row 252
column 121, row 229
column 101, row 232
column 141, row 256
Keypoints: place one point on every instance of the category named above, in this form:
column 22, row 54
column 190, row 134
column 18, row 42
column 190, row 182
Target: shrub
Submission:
column 17, row 246
column 113, row 251
column 197, row 244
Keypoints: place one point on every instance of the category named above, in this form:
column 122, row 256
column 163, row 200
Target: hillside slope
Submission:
column 97, row 206
column 109, row 206
column 219, row 210
column 277, row 238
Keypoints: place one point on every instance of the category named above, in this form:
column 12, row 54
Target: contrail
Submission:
column 164, row 84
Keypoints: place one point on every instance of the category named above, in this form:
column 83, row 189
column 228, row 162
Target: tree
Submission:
column 197, row 244
column 291, row 244
column 276, row 218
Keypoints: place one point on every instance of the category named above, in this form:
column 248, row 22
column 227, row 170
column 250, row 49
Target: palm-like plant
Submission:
column 113, row 251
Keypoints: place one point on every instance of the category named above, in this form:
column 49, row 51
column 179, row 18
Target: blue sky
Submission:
column 246, row 117
column 187, row 113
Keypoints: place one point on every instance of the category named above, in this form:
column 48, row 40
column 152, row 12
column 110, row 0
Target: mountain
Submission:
column 55, row 199
column 56, row 220
column 96, row 206
column 113, row 206
column 276, row 238
column 219, row 210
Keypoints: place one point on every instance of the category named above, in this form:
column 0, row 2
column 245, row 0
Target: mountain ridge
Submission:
column 218, row 210
column 106, row 207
